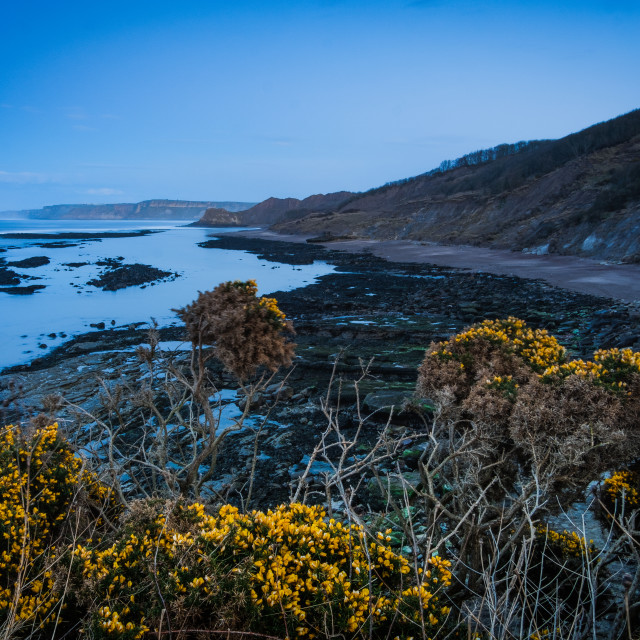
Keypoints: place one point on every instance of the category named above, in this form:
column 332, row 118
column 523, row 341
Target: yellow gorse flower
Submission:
column 39, row 479
column 536, row 347
column 611, row 368
column 623, row 486
column 567, row 544
column 300, row 566
column 541, row 352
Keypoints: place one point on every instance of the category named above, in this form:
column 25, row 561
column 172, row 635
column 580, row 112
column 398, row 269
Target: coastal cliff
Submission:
column 146, row 210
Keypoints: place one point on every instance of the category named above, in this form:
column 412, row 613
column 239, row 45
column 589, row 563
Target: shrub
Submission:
column 515, row 382
column 622, row 487
column 620, row 499
column 290, row 571
column 246, row 331
column 560, row 572
column 42, row 485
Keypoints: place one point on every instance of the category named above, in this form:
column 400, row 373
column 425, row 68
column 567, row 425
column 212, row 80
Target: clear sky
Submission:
column 125, row 100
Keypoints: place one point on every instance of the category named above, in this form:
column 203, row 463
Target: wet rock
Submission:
column 282, row 391
column 627, row 340
column 129, row 275
column 23, row 291
column 395, row 485
column 385, row 401
column 30, row 263
column 8, row 277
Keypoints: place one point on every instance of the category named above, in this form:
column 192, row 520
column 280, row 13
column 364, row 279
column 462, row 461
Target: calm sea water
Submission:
column 26, row 321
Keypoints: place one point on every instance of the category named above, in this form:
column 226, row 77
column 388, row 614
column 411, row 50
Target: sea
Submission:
column 32, row 325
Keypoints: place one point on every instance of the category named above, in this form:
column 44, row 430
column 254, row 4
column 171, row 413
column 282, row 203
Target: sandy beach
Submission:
column 618, row 281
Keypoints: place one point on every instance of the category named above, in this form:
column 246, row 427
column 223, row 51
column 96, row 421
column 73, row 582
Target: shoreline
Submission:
column 618, row 282
column 368, row 312
column 388, row 258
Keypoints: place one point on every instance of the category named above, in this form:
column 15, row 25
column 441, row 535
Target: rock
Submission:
column 97, row 325
column 282, row 391
column 23, row 291
column 385, row 400
column 8, row 277
column 627, row 340
column 127, row 275
column 396, row 485
column 30, row 263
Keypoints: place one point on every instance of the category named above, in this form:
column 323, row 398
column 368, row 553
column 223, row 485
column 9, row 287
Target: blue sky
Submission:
column 121, row 101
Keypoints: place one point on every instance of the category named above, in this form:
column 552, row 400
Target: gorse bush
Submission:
column 620, row 499
column 165, row 565
column 517, row 383
column 622, row 487
column 291, row 572
column 168, row 425
column 245, row 331
column 44, row 488
column 557, row 566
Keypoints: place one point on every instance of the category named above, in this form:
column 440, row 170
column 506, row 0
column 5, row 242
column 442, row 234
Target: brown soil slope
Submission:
column 579, row 195
column 274, row 210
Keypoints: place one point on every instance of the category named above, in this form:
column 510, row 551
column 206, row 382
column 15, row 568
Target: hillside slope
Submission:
column 579, row 195
column 274, row 210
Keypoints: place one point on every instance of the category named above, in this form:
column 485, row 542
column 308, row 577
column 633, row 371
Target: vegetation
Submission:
column 245, row 331
column 516, row 384
column 453, row 538
column 509, row 166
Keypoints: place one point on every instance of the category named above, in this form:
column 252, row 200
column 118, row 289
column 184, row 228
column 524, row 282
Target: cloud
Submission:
column 76, row 113
column 103, row 191
column 25, row 177
column 83, row 127
column 110, row 165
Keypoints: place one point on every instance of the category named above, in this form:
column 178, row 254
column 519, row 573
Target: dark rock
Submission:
column 30, row 263
column 387, row 400
column 396, row 485
column 128, row 275
column 23, row 291
column 8, row 277
column 627, row 340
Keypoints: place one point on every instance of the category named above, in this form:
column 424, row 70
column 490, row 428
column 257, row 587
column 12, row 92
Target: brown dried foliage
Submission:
column 577, row 425
column 245, row 335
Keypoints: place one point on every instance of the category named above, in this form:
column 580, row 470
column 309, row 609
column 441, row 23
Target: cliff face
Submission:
column 579, row 195
column 274, row 210
column 146, row 210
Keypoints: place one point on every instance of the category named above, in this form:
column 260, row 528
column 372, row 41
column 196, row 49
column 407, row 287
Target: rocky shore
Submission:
column 368, row 313
column 114, row 276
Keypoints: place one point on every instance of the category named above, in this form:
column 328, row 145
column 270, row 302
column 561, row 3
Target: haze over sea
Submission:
column 68, row 305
